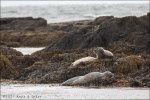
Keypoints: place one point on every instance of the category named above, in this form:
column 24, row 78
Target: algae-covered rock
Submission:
column 103, row 31
column 129, row 64
column 9, row 51
column 6, row 68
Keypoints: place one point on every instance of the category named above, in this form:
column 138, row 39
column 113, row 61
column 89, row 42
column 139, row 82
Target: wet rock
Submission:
column 44, row 72
column 135, row 83
column 21, row 62
column 11, row 44
column 9, row 51
column 105, row 30
column 2, row 43
column 148, row 47
column 129, row 64
column 146, row 82
column 6, row 68
column 24, row 23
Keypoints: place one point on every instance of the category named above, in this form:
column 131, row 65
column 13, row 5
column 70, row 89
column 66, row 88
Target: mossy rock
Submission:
column 6, row 67
column 130, row 64
column 9, row 51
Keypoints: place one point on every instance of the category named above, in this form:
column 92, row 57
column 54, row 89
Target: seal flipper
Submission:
column 70, row 81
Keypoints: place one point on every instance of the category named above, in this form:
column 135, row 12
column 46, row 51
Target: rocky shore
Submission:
column 127, row 37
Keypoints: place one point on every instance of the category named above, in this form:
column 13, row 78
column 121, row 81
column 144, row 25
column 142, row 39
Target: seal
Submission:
column 85, row 59
column 70, row 81
column 92, row 77
column 100, row 54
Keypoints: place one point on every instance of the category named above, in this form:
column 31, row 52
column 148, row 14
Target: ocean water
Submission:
column 48, row 91
column 28, row 50
column 72, row 12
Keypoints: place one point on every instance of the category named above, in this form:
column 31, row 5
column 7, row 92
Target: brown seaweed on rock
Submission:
column 129, row 64
column 6, row 68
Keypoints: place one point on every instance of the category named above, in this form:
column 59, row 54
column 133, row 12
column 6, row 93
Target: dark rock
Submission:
column 6, row 68
column 135, row 83
column 44, row 72
column 9, row 51
column 11, row 44
column 146, row 82
column 148, row 47
column 2, row 43
column 21, row 62
column 24, row 23
column 105, row 30
column 142, row 43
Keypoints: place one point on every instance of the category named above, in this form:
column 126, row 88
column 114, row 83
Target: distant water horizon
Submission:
column 73, row 12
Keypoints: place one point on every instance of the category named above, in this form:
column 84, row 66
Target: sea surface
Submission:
column 28, row 50
column 54, row 91
column 73, row 12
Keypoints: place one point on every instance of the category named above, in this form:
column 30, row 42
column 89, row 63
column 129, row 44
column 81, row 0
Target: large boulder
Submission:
column 105, row 30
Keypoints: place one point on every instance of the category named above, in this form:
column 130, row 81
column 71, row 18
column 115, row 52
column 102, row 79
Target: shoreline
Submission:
column 13, row 83
column 38, row 91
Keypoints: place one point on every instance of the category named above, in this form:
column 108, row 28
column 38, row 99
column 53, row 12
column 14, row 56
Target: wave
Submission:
column 90, row 15
column 63, row 13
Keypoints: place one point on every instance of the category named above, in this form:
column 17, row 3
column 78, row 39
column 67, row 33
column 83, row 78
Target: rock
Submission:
column 6, row 68
column 129, row 64
column 11, row 44
column 148, row 47
column 2, row 43
column 142, row 43
column 44, row 72
column 21, row 62
column 102, row 32
column 146, row 82
column 135, row 83
column 9, row 51
column 23, row 23
column 105, row 30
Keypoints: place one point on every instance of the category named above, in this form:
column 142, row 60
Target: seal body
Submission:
column 89, row 78
column 100, row 54
column 107, row 54
column 83, row 60
column 93, row 77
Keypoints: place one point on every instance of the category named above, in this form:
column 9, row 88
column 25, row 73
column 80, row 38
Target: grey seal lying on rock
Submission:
column 88, row 78
column 100, row 54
